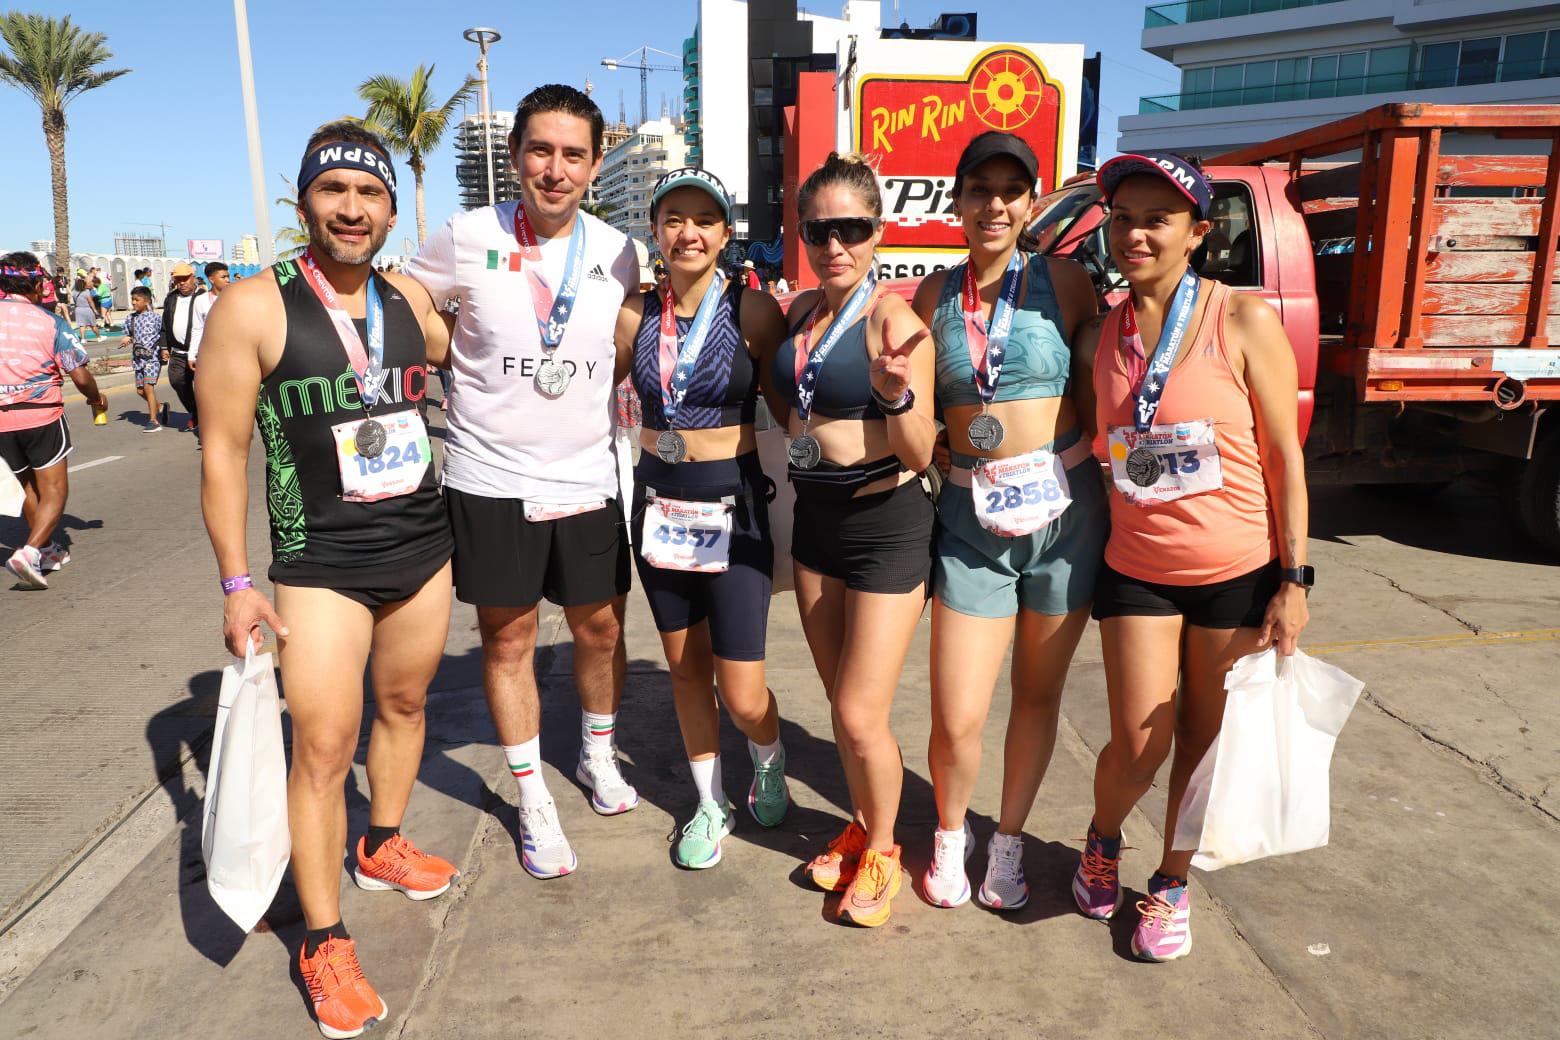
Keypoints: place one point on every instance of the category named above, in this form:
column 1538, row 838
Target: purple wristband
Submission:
column 237, row 583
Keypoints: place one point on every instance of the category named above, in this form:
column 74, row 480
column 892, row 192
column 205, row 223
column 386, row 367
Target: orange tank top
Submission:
column 1204, row 538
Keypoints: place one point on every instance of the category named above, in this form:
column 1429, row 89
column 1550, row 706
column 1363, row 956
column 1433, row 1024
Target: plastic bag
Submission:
column 11, row 493
column 244, row 836
column 1262, row 788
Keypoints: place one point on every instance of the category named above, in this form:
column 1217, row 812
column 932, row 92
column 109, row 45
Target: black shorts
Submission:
column 1237, row 603
column 735, row 601
column 37, row 448
column 504, row 560
column 373, row 587
column 880, row 542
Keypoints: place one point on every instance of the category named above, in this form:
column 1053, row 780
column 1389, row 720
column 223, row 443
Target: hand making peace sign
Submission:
column 890, row 370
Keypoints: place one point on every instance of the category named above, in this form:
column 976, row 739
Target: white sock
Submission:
column 954, row 837
column 525, row 763
column 765, row 754
column 707, row 779
column 597, row 729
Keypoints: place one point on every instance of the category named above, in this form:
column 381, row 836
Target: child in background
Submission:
column 143, row 335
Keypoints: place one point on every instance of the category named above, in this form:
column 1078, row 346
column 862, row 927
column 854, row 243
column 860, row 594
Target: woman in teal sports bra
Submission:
column 1022, row 518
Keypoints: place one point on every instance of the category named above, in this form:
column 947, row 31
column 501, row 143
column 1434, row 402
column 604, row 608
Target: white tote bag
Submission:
column 772, row 453
column 1262, row 788
column 244, row 836
column 11, row 494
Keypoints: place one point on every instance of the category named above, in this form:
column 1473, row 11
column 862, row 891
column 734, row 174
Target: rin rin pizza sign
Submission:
column 915, row 104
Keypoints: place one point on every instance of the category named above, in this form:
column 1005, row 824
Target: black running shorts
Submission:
column 37, row 448
column 1237, row 603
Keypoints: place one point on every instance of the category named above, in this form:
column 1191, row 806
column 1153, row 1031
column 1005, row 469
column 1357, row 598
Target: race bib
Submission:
column 687, row 536
column 397, row 470
column 1188, row 460
column 1021, row 495
column 536, row 512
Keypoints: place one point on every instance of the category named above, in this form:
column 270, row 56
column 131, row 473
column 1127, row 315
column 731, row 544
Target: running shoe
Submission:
column 154, row 428
column 699, row 846
column 769, row 797
column 945, row 882
column 1004, row 887
column 27, row 564
column 837, row 865
column 1164, row 931
column 1096, row 886
column 344, row 1003
column 544, row 851
column 598, row 770
column 867, row 900
column 401, row 866
column 53, row 556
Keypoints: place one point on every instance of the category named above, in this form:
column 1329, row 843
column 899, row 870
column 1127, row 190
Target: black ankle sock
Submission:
column 377, row 836
column 314, row 936
column 1162, row 881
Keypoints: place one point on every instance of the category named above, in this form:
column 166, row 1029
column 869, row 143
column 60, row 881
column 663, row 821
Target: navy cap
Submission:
column 1187, row 178
column 692, row 177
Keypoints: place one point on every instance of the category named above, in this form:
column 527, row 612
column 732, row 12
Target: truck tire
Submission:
column 1538, row 494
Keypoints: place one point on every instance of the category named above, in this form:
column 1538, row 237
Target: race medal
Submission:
column 1143, row 467
column 805, row 452
column 670, row 447
column 552, row 378
column 370, row 437
column 986, row 432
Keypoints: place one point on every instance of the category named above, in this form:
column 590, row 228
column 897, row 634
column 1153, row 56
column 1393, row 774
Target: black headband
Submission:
column 340, row 155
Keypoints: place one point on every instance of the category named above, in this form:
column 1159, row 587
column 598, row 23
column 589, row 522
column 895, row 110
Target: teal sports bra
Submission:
column 1039, row 358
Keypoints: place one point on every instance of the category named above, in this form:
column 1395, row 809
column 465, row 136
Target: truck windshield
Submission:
column 1059, row 211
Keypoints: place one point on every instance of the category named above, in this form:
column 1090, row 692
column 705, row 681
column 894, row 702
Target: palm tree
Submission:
column 411, row 120
column 293, row 240
column 55, row 62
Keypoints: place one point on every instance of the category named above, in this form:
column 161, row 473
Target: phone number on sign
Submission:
column 909, row 270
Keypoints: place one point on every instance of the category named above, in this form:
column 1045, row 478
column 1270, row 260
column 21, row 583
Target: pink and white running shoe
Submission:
column 1096, row 886
column 1164, row 932
column 945, row 883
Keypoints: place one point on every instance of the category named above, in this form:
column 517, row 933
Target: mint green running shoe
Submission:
column 699, row 846
column 769, row 797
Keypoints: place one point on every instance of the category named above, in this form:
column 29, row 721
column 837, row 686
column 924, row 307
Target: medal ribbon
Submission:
column 989, row 348
column 552, row 314
column 807, row 365
column 367, row 364
column 677, row 359
column 1171, row 336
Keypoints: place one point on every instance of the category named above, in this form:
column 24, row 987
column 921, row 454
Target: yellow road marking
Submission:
column 1531, row 635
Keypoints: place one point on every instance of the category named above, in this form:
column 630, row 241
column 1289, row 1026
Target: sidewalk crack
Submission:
column 1464, row 622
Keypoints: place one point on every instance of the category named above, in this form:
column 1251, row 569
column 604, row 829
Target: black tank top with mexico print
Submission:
column 313, row 389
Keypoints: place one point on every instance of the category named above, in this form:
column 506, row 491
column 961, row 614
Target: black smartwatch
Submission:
column 899, row 407
column 1303, row 576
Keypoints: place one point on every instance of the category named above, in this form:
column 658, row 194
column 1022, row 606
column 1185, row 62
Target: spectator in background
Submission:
column 143, row 335
column 217, row 276
column 84, row 302
column 105, row 299
column 178, row 329
column 782, row 286
column 750, row 275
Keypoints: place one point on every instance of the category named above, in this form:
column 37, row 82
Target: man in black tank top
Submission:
column 331, row 360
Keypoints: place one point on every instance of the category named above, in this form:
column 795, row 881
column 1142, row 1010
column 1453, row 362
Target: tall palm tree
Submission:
column 411, row 120
column 293, row 240
column 55, row 62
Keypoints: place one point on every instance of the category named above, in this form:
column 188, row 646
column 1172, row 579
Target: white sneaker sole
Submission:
column 24, row 571
column 348, row 1034
column 720, row 845
column 544, row 875
column 369, row 884
column 1185, row 949
column 991, row 902
column 603, row 808
column 945, row 904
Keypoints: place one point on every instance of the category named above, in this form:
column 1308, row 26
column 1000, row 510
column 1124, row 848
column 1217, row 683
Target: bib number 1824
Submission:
column 392, row 458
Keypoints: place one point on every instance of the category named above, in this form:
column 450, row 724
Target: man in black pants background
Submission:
column 177, row 327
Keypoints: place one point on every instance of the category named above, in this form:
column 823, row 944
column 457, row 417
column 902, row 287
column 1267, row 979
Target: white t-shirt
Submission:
column 504, row 439
column 203, row 305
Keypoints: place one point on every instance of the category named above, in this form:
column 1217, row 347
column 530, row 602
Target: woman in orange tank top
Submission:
column 1206, row 558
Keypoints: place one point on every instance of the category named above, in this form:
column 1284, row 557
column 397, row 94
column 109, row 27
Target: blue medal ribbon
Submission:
column 807, row 380
column 691, row 346
column 552, row 327
column 998, row 330
column 1165, row 352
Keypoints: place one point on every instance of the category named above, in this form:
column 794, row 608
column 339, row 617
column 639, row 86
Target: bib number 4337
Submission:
column 687, row 536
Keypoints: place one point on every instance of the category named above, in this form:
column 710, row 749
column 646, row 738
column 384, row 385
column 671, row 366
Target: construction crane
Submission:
column 645, row 68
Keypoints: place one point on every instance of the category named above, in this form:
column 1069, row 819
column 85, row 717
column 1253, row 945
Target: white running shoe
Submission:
column 54, row 556
column 945, row 882
column 26, row 563
column 544, row 851
column 1004, row 887
column 598, row 770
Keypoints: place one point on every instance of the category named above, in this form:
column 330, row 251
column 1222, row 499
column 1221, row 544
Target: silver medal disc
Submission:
column 1143, row 467
column 552, row 378
column 986, row 432
column 670, row 447
column 370, row 438
column 806, row 452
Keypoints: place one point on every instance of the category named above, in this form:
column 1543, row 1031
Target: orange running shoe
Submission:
column 402, row 866
column 877, row 882
column 837, row 865
column 344, row 1003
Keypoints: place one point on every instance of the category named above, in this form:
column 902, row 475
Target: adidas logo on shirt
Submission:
column 597, row 273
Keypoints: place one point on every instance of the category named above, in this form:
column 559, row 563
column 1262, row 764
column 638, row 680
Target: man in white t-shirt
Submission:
column 529, row 472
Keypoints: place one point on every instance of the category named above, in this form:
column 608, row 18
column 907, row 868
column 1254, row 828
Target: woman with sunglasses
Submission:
column 701, row 542
column 855, row 394
column 1197, row 398
column 1022, row 518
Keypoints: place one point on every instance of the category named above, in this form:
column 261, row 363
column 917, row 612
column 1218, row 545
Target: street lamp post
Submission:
column 246, row 75
column 482, row 37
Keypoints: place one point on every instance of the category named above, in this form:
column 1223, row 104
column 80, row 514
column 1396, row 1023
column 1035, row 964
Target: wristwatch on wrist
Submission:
column 1303, row 576
column 899, row 407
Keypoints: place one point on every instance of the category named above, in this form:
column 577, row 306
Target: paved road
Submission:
column 1433, row 899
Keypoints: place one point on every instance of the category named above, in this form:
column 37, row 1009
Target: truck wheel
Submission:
column 1538, row 494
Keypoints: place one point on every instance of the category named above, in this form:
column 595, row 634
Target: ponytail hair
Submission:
column 852, row 171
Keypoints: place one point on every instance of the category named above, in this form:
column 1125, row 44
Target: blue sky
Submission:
column 166, row 143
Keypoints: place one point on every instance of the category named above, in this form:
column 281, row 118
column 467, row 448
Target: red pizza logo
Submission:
column 1006, row 90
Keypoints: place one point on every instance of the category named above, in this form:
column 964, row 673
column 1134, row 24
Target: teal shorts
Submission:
column 1051, row 571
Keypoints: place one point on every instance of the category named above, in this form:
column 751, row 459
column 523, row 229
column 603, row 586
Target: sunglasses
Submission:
column 851, row 231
